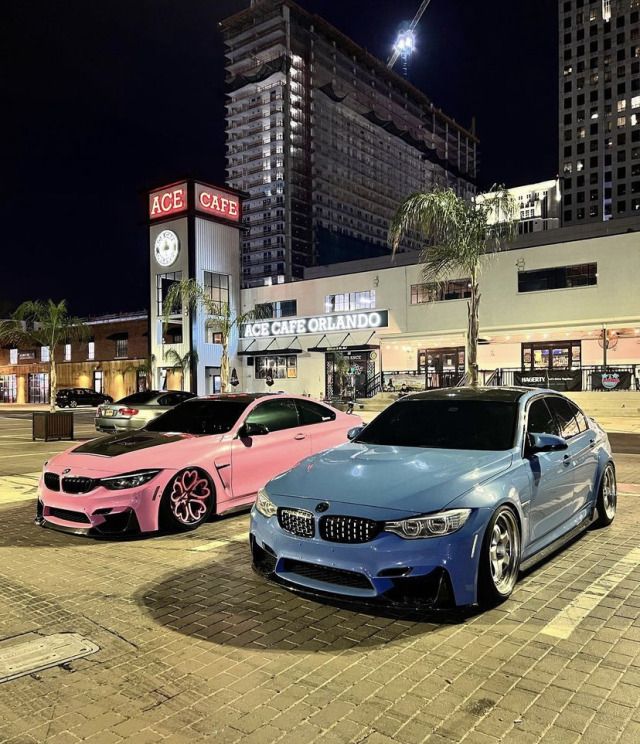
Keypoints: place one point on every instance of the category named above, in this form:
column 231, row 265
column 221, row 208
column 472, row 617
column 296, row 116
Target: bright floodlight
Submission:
column 405, row 43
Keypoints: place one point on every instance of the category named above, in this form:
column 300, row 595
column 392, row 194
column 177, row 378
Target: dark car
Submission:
column 136, row 410
column 74, row 397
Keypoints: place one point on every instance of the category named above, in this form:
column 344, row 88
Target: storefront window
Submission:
column 456, row 289
column 281, row 367
column 552, row 355
column 350, row 301
column 216, row 287
column 277, row 309
column 164, row 282
column 8, row 388
column 38, row 387
column 558, row 277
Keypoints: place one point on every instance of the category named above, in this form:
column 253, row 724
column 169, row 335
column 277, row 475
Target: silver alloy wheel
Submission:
column 609, row 493
column 504, row 552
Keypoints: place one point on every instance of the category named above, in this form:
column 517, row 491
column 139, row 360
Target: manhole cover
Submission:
column 32, row 653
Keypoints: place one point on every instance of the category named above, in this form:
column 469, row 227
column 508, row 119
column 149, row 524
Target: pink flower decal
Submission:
column 189, row 497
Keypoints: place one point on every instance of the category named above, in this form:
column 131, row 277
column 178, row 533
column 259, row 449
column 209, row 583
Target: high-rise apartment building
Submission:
column 325, row 141
column 599, row 109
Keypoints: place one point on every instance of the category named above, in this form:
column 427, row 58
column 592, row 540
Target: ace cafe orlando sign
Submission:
column 207, row 199
column 359, row 321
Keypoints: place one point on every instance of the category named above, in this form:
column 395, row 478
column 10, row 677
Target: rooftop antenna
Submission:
column 405, row 43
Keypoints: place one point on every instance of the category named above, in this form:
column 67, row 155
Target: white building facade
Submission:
column 555, row 313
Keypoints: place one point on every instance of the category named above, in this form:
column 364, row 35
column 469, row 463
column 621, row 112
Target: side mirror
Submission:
column 252, row 430
column 545, row 443
column 353, row 433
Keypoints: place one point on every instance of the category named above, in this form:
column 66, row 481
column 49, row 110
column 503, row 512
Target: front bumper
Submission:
column 102, row 511
column 433, row 573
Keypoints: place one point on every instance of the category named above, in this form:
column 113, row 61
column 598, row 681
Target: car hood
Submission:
column 121, row 453
column 411, row 480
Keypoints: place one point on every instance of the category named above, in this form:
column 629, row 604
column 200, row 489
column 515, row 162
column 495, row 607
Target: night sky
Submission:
column 100, row 101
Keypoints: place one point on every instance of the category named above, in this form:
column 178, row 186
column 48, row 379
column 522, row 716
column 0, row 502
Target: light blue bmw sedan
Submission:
column 440, row 501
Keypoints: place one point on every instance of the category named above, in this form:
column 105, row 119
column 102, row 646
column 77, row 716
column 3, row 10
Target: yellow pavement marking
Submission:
column 18, row 487
column 566, row 621
column 221, row 543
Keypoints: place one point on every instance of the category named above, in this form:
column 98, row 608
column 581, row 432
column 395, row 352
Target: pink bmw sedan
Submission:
column 206, row 456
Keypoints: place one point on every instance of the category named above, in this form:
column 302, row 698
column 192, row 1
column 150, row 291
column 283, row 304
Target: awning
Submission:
column 118, row 336
column 350, row 347
column 270, row 349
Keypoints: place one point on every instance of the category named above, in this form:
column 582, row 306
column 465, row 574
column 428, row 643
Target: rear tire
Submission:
column 607, row 500
column 499, row 558
column 73, row 404
column 187, row 501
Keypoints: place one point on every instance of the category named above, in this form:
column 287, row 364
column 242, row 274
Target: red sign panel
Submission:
column 168, row 201
column 217, row 202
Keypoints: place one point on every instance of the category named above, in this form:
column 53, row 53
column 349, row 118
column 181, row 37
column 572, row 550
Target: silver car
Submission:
column 136, row 410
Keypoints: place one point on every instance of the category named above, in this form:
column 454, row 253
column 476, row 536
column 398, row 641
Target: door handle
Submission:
column 300, row 436
column 566, row 460
column 592, row 443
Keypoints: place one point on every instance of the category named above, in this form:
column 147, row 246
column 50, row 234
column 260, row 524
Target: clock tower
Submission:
column 194, row 233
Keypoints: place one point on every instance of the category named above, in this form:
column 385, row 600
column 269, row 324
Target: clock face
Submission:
column 166, row 247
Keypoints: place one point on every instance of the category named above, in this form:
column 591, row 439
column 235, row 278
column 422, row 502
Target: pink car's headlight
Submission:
column 128, row 480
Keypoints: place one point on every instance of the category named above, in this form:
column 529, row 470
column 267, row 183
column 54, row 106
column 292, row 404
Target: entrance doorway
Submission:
column 441, row 367
column 348, row 373
column 38, row 383
column 98, row 381
column 8, row 388
column 212, row 380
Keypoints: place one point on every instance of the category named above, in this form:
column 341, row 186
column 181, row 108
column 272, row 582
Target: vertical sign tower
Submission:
column 194, row 233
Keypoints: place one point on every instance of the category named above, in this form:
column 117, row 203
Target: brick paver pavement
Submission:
column 195, row 647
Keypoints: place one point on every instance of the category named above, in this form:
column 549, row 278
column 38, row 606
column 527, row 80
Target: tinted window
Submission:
column 171, row 399
column 200, row 417
column 275, row 414
column 541, row 420
column 583, row 423
column 140, row 398
column 314, row 413
column 565, row 417
column 444, row 424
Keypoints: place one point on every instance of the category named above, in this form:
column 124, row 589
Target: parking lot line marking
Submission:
column 568, row 619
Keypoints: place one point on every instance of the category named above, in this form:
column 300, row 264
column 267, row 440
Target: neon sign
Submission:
column 361, row 321
column 165, row 202
column 217, row 202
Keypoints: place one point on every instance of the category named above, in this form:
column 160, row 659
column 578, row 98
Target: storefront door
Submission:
column 441, row 367
column 38, row 387
column 8, row 389
column 348, row 373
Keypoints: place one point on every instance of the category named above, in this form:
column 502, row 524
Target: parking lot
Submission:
column 194, row 647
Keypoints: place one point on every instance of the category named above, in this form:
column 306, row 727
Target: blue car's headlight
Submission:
column 264, row 505
column 128, row 480
column 431, row 525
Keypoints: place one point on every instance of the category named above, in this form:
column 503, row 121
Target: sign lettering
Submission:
column 359, row 321
column 165, row 202
column 217, row 202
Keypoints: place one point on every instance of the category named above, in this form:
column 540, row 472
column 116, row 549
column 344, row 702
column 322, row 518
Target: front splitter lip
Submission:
column 379, row 603
column 131, row 531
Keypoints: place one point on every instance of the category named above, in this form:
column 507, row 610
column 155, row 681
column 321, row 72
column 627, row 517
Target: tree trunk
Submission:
column 53, row 382
column 224, row 366
column 472, row 332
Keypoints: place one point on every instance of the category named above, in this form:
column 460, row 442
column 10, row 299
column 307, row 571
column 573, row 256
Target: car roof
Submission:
column 498, row 394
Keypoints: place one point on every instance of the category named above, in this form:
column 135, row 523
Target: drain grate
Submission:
column 33, row 653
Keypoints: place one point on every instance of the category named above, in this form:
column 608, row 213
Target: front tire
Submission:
column 499, row 558
column 73, row 404
column 187, row 501
column 607, row 500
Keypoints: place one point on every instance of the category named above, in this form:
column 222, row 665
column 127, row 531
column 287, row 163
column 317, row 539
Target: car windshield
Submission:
column 200, row 417
column 444, row 424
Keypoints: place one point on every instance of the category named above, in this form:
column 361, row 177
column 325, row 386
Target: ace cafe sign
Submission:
column 359, row 321
column 217, row 202
column 168, row 201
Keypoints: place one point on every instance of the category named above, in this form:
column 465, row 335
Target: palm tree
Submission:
column 37, row 323
column 220, row 317
column 458, row 235
column 181, row 364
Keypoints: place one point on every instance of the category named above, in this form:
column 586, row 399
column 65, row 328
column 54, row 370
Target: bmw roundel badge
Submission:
column 322, row 506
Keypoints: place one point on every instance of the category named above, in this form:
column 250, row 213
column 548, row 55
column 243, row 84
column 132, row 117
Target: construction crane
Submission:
column 406, row 40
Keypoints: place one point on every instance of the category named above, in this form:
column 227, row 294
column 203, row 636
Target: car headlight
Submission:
column 264, row 505
column 431, row 525
column 128, row 480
